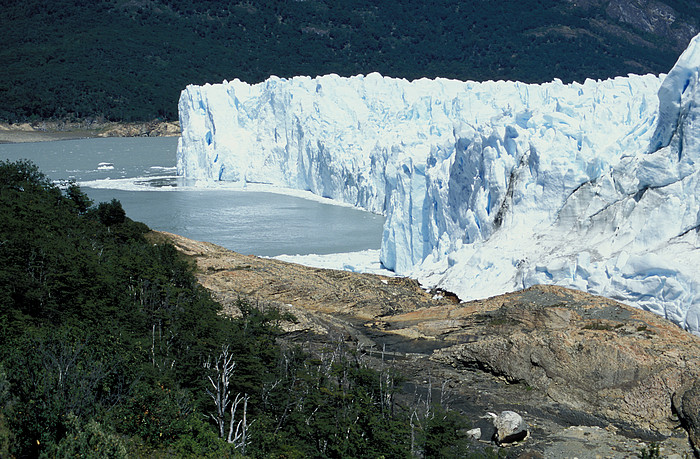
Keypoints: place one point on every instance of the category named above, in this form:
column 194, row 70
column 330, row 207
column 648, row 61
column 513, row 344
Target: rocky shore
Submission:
column 42, row 131
column 590, row 377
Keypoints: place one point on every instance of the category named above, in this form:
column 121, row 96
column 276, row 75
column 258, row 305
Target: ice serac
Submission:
column 487, row 187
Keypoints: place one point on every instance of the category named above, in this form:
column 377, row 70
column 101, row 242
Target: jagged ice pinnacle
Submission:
column 487, row 187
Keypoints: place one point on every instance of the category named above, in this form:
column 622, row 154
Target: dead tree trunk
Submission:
column 223, row 369
column 220, row 393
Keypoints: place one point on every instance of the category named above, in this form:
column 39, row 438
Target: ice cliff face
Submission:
column 487, row 187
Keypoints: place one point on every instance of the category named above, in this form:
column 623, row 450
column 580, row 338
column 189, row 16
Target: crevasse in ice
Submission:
column 487, row 187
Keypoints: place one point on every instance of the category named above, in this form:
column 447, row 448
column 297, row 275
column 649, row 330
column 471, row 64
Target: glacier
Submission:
column 487, row 187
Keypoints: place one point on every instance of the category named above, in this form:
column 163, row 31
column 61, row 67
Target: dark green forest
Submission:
column 110, row 348
column 125, row 60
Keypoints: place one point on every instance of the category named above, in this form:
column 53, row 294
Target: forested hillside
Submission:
column 110, row 348
column 128, row 60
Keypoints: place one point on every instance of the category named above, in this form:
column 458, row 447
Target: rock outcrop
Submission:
column 654, row 17
column 686, row 403
column 589, row 353
column 148, row 129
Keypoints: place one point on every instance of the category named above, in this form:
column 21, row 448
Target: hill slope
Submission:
column 561, row 356
column 128, row 60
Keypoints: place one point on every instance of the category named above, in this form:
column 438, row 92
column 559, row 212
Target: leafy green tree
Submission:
column 443, row 438
column 91, row 440
column 6, row 434
column 111, row 213
column 80, row 199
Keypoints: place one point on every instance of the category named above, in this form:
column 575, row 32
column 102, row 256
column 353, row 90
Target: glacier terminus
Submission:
column 487, row 187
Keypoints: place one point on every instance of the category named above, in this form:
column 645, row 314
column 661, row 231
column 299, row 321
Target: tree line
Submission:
column 128, row 61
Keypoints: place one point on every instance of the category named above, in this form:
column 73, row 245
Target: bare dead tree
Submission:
column 219, row 392
column 446, row 395
column 161, row 347
column 239, row 438
column 61, row 358
column 414, row 422
column 222, row 369
column 429, row 396
column 71, row 375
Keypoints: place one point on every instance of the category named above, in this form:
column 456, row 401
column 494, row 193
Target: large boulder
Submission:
column 510, row 427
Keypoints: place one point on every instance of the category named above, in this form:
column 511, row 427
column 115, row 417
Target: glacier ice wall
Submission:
column 487, row 187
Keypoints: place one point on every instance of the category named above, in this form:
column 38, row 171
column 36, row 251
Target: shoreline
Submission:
column 48, row 131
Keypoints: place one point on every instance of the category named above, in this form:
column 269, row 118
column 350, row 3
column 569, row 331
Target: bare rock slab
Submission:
column 616, row 362
column 686, row 403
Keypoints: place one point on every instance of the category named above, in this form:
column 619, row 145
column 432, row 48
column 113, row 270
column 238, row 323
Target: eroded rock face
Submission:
column 686, row 403
column 586, row 352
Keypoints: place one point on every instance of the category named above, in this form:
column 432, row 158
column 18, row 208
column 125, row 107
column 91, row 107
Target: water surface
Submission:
column 140, row 172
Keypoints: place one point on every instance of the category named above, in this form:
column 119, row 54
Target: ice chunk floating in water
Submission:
column 487, row 187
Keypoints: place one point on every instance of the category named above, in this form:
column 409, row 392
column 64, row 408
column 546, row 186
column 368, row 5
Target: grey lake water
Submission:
column 141, row 174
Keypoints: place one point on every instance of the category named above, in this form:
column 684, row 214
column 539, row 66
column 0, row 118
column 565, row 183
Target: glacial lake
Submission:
column 141, row 174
